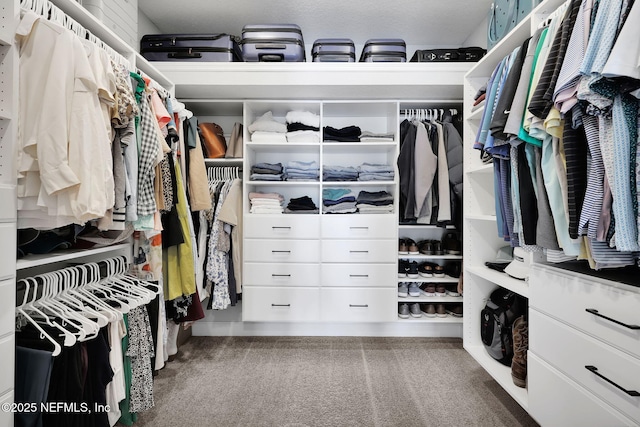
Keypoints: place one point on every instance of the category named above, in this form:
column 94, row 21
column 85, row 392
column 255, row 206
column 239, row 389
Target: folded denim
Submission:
column 340, row 206
column 266, row 177
column 339, row 178
column 272, row 166
column 264, row 171
column 337, row 169
column 329, row 202
column 388, row 176
column 297, row 164
column 372, row 167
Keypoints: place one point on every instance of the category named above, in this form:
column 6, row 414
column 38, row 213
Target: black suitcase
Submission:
column 333, row 50
column 191, row 47
column 463, row 54
column 384, row 50
column 272, row 43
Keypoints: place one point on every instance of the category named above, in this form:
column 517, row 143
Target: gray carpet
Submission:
column 320, row 381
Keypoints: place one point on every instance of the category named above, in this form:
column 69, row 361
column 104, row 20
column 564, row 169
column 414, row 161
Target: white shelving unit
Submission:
column 481, row 240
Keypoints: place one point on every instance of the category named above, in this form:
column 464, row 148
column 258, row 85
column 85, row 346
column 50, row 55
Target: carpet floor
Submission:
column 328, row 381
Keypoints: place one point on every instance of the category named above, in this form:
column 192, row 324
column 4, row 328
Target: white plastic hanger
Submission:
column 57, row 348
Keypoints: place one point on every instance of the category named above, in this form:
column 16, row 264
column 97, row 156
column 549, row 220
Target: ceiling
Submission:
column 421, row 23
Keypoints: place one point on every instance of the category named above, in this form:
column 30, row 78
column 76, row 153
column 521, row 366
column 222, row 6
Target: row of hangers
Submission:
column 77, row 301
column 50, row 11
column 422, row 114
column 223, row 173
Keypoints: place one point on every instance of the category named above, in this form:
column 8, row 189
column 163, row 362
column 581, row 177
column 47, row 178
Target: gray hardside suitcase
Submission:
column 333, row 50
column 384, row 50
column 272, row 43
column 190, row 47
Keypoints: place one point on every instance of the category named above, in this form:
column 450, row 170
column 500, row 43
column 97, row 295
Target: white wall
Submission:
column 479, row 36
column 145, row 26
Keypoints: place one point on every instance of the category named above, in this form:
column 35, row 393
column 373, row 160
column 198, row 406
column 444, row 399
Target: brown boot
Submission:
column 520, row 347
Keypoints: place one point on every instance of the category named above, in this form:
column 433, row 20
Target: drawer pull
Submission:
column 280, row 275
column 359, row 305
column 281, row 252
column 359, row 275
column 280, row 305
column 594, row 370
column 358, row 228
column 595, row 313
column 359, row 252
column 281, row 228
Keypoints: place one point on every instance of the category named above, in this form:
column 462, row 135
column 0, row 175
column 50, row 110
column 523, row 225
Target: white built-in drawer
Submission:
column 366, row 251
column 284, row 274
column 7, row 355
column 555, row 400
column 7, row 316
column 275, row 304
column 375, row 275
column 359, row 226
column 567, row 296
column 8, row 260
column 358, row 304
column 571, row 351
column 6, row 417
column 268, row 250
column 282, row 227
column 8, row 207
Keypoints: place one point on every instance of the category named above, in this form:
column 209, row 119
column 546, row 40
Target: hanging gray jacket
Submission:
column 453, row 145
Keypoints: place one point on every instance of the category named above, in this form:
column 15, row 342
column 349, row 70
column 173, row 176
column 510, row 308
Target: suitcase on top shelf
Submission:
column 384, row 50
column 191, row 47
column 463, row 54
column 272, row 43
column 333, row 50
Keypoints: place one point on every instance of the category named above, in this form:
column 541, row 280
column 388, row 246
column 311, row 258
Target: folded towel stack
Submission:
column 267, row 129
column 266, row 203
column 302, row 126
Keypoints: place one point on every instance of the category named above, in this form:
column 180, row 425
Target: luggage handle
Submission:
column 271, row 46
column 270, row 57
column 187, row 54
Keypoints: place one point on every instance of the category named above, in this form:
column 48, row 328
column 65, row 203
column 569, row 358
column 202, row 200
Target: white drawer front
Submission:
column 6, row 417
column 8, row 207
column 570, row 351
column 285, row 274
column 358, row 304
column 353, row 251
column 7, row 355
column 272, row 304
column 359, row 226
column 7, row 317
column 567, row 298
column 555, row 400
column 377, row 275
column 282, row 227
column 256, row 250
column 8, row 239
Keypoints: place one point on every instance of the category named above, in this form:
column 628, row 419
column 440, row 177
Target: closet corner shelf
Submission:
column 520, row 287
column 6, row 39
column 484, row 169
column 490, row 218
column 5, row 115
column 32, row 260
column 499, row 372
column 476, row 115
column 316, row 80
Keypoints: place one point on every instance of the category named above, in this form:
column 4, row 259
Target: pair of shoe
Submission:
column 454, row 310
column 407, row 269
column 452, row 291
column 407, row 246
column 430, row 247
column 408, row 290
column 520, row 330
column 451, row 244
column 428, row 269
column 432, row 289
column 405, row 310
column 434, row 310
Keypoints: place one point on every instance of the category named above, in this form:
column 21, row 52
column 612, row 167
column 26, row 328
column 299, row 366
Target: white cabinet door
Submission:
column 358, row 304
column 8, row 239
column 281, row 274
column 285, row 304
column 7, row 355
column 269, row 250
column 7, row 316
column 371, row 275
column 358, row 226
column 282, row 227
column 356, row 251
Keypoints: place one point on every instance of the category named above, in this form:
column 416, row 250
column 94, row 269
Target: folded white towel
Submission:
column 267, row 123
column 303, row 136
column 305, row 117
column 263, row 136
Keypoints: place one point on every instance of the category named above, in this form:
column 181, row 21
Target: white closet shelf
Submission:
column 446, row 279
column 427, row 257
column 520, row 287
column 484, row 169
column 475, row 115
column 424, row 226
column 425, row 319
column 224, row 162
column 319, row 80
column 5, row 115
column 429, row 299
column 34, row 260
column 490, row 218
column 357, row 183
column 499, row 372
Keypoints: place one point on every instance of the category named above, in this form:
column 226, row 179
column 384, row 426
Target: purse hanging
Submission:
column 214, row 143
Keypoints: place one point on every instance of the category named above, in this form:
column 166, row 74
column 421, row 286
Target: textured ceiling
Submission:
column 418, row 22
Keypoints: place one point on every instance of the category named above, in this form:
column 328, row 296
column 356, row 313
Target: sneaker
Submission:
column 403, row 311
column 454, row 310
column 520, row 347
column 430, row 310
column 440, row 310
column 403, row 266
column 426, row 247
column 403, row 290
column 438, row 271
column 453, row 292
column 414, row 290
column 437, row 248
column 412, row 247
column 425, row 270
column 403, row 249
column 452, row 269
column 413, row 270
column 415, row 310
column 451, row 244
column 429, row 289
column 441, row 290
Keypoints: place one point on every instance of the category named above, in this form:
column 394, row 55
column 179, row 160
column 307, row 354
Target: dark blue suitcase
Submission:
column 384, row 50
column 333, row 50
column 272, row 43
column 190, row 47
